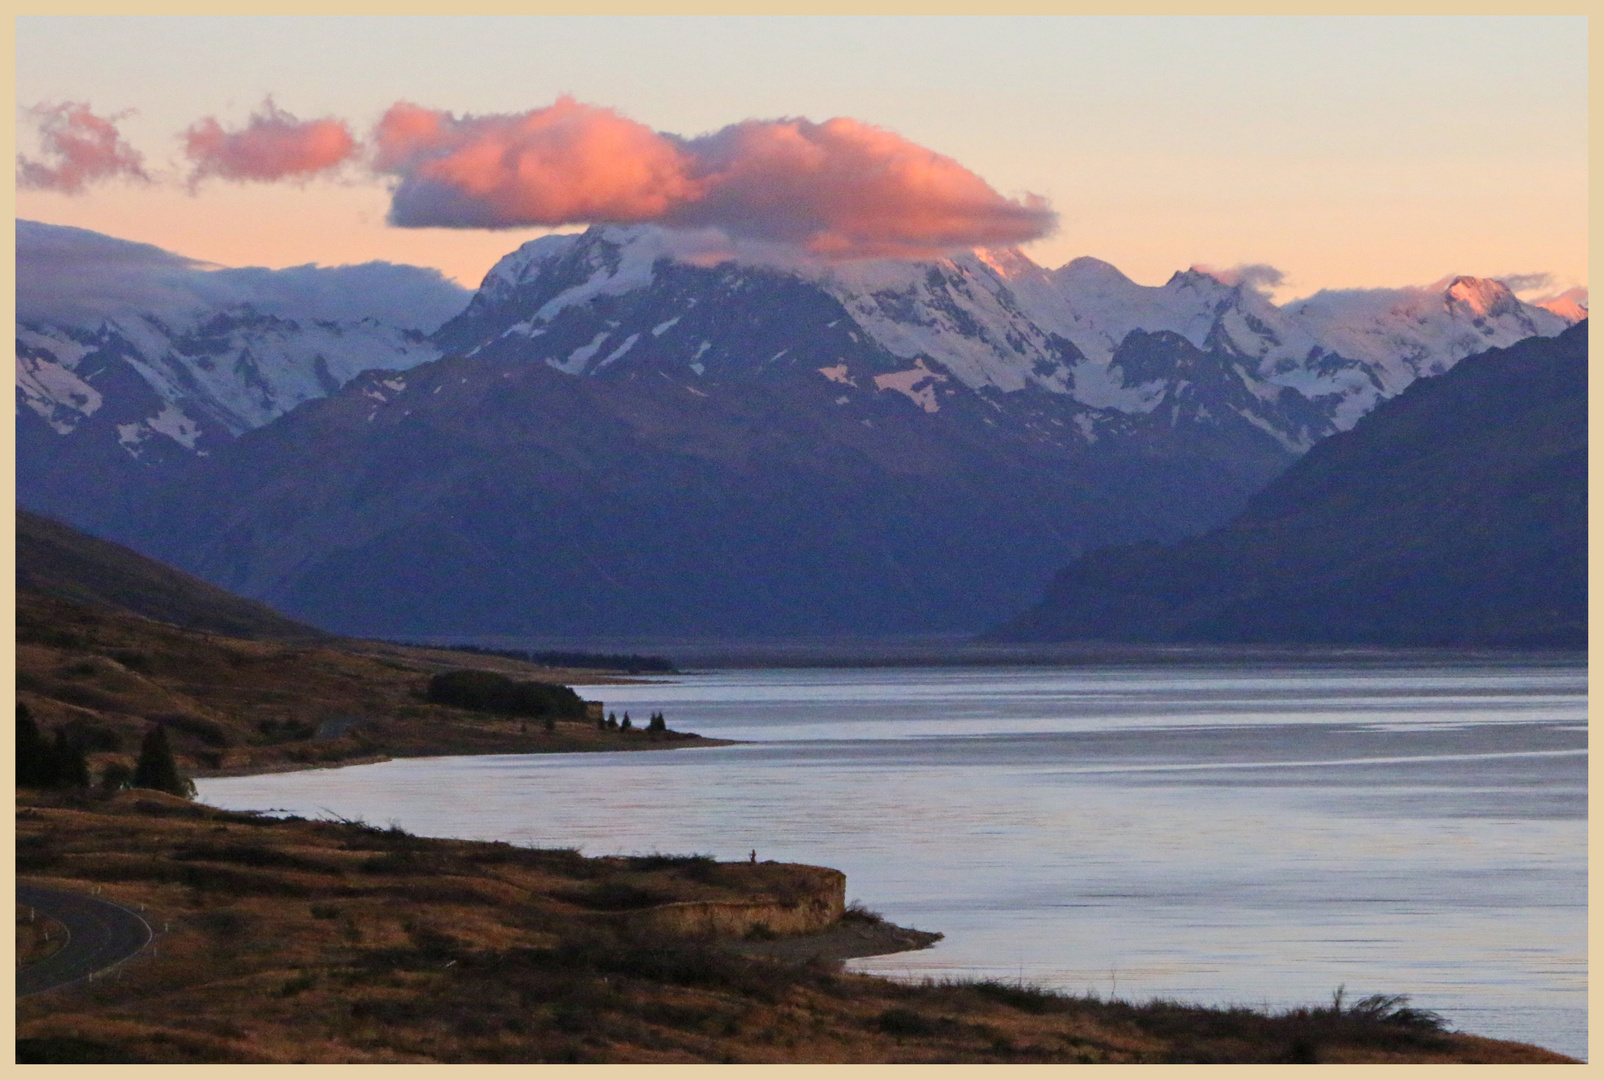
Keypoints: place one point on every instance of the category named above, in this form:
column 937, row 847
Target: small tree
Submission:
column 157, row 769
column 70, row 765
column 626, row 725
column 658, row 724
column 34, row 766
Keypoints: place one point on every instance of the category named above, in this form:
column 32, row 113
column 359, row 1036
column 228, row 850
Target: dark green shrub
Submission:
column 116, row 777
column 486, row 691
column 901, row 1021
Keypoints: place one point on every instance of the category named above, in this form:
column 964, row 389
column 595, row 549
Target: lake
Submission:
column 1255, row 834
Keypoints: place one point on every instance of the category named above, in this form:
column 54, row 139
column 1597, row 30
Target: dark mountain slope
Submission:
column 492, row 495
column 1454, row 514
column 57, row 560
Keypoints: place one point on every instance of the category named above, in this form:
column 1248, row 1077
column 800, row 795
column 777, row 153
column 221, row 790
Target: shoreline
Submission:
column 311, row 941
column 268, row 769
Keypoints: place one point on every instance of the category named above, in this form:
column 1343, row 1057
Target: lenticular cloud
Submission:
column 84, row 148
column 273, row 145
column 842, row 189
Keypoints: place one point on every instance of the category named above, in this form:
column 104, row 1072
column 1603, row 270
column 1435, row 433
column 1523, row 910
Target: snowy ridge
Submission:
column 202, row 354
column 996, row 321
column 170, row 349
column 220, row 375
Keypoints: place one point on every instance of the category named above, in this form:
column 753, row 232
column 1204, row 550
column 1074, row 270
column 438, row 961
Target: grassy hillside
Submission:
column 241, row 705
column 58, row 560
column 297, row 941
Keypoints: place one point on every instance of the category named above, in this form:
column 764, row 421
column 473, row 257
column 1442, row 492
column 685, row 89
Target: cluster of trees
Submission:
column 48, row 763
column 657, row 724
column 62, row 762
column 486, row 691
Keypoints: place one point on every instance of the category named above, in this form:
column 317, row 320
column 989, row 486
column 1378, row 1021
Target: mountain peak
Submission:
column 1570, row 305
column 1483, row 297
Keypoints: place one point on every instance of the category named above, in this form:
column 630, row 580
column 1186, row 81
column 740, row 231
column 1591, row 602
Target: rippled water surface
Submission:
column 1254, row 835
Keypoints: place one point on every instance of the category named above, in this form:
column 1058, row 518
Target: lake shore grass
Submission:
column 289, row 940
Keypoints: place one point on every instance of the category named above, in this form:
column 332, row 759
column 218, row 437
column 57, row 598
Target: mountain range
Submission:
column 642, row 432
column 1454, row 514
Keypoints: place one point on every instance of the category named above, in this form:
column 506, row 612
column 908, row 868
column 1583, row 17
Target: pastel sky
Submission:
column 1346, row 152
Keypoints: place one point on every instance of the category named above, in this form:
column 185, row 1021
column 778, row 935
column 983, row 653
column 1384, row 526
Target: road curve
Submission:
column 102, row 934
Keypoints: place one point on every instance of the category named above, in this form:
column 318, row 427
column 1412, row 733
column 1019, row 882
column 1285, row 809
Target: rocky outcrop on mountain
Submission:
column 1454, row 514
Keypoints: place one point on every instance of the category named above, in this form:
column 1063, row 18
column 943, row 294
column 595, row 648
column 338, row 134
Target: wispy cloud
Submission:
column 79, row 148
column 1519, row 283
column 1258, row 276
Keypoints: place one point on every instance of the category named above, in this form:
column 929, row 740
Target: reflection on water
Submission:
column 1221, row 835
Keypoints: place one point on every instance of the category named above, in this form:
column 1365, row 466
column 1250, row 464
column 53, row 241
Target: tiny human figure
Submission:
column 754, row 854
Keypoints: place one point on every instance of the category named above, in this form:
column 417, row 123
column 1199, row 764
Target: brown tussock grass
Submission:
column 311, row 941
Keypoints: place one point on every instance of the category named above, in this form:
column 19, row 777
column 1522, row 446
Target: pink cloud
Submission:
column 842, row 189
column 84, row 148
column 273, row 146
column 553, row 166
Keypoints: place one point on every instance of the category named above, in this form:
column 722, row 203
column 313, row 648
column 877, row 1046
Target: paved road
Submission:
column 102, row 934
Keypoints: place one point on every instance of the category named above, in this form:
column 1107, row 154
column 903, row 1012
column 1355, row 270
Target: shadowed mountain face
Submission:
column 1454, row 514
column 479, row 495
column 57, row 560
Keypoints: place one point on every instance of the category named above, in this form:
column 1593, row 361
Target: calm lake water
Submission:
column 1219, row 834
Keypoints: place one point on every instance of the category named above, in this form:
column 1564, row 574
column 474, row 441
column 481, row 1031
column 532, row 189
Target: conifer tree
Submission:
column 33, row 753
column 68, row 762
column 157, row 769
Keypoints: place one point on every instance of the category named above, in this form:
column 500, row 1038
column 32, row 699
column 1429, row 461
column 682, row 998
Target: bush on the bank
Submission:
column 486, row 691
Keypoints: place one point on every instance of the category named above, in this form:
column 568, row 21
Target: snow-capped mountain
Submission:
column 996, row 323
column 193, row 355
column 210, row 377
column 160, row 352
